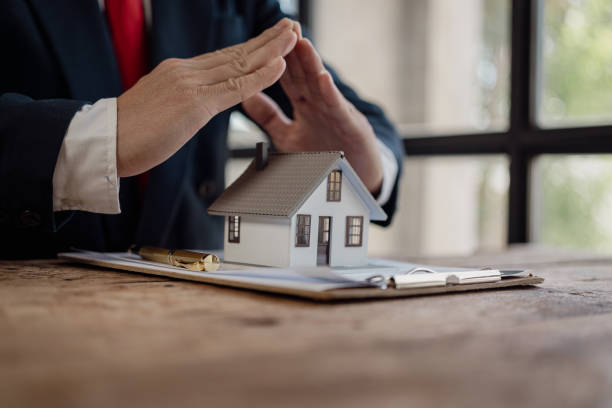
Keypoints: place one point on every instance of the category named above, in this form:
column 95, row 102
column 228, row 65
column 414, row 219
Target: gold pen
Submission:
column 194, row 261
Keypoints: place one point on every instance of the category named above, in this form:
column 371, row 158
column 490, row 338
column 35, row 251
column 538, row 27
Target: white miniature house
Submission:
column 297, row 209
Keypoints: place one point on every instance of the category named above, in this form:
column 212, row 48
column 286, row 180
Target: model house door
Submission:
column 324, row 238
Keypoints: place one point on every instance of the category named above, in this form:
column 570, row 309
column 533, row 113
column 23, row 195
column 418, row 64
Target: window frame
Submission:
column 324, row 234
column 523, row 140
column 235, row 237
column 349, row 232
column 304, row 232
column 334, row 187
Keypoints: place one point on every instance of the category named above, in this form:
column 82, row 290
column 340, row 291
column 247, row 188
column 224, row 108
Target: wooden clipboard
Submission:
column 334, row 294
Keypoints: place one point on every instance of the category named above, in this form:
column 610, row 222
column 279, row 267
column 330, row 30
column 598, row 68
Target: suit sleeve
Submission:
column 266, row 13
column 31, row 135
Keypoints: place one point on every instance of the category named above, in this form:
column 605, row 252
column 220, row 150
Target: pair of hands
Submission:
column 167, row 107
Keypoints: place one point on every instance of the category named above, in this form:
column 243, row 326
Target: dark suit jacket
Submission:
column 58, row 56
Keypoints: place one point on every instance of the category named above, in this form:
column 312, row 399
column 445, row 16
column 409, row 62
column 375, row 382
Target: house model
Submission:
column 297, row 209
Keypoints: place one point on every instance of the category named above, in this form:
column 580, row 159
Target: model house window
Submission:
column 334, row 185
column 354, row 231
column 234, row 228
column 302, row 234
column 324, row 228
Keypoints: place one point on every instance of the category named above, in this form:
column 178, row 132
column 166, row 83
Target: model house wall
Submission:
column 263, row 241
column 317, row 205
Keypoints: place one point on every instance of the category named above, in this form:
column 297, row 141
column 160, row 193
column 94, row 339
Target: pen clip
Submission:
column 418, row 269
column 379, row 280
column 385, row 283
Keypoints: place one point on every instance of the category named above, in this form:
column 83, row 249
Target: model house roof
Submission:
column 285, row 183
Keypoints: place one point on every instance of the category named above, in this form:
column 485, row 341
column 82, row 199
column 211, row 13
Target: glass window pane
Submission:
column 572, row 198
column 447, row 206
column 575, row 63
column 436, row 66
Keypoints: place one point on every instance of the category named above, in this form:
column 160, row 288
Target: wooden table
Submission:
column 77, row 336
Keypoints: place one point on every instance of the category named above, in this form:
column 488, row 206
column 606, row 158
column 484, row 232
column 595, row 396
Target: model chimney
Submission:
column 261, row 160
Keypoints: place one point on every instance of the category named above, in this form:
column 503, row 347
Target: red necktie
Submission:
column 128, row 31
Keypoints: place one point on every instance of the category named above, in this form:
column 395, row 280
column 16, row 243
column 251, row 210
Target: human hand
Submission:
column 165, row 108
column 323, row 118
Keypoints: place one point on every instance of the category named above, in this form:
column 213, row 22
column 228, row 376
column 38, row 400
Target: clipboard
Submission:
column 313, row 284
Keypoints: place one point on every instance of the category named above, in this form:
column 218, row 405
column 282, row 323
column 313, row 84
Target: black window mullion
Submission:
column 476, row 143
column 520, row 118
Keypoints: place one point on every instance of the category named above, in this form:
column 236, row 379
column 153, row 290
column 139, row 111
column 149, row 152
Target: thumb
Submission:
column 267, row 114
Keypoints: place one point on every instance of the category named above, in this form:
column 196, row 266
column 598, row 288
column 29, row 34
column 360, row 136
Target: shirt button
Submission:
column 30, row 219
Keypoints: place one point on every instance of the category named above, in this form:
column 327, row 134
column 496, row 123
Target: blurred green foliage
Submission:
column 576, row 61
column 574, row 193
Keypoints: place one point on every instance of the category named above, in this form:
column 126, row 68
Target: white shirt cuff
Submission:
column 85, row 176
column 390, row 169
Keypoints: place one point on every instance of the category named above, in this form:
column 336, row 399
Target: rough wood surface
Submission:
column 74, row 336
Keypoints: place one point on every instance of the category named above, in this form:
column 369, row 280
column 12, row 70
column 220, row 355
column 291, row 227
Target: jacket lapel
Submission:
column 79, row 37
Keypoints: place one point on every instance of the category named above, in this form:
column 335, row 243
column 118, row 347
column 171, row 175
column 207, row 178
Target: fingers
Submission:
column 319, row 81
column 312, row 66
column 286, row 80
column 213, row 59
column 309, row 58
column 298, row 29
column 306, row 75
column 281, row 26
column 330, row 94
column 267, row 114
column 241, row 64
column 289, row 87
column 294, row 81
column 232, row 91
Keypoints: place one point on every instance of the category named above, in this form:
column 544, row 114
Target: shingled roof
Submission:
column 285, row 183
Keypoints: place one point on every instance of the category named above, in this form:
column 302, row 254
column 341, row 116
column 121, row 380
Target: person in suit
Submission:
column 114, row 117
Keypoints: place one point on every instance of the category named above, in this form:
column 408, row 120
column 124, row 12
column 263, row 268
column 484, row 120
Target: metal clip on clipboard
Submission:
column 421, row 277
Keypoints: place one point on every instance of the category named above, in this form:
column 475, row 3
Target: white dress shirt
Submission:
column 85, row 176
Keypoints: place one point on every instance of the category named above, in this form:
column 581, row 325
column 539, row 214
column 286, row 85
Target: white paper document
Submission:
column 379, row 273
